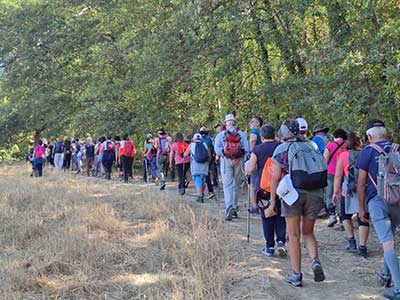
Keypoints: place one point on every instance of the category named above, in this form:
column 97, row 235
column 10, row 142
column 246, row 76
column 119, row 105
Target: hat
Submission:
column 289, row 129
column 230, row 117
column 203, row 130
column 319, row 127
column 374, row 123
column 286, row 190
column 161, row 131
column 197, row 136
column 303, row 126
column 149, row 136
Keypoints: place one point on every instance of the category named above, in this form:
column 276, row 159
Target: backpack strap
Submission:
column 334, row 152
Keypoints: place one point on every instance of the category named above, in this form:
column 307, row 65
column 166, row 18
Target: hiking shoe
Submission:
column 282, row 252
column 200, row 199
column 181, row 192
column 332, row 220
column 385, row 280
column 268, row 251
column 362, row 251
column 162, row 187
column 318, row 272
column 210, row 196
column 352, row 245
column 294, row 279
column 392, row 294
column 235, row 214
column 229, row 213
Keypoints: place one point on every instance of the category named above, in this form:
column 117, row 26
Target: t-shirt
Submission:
column 368, row 161
column 320, row 140
column 89, row 150
column 78, row 148
column 179, row 159
column 263, row 152
column 332, row 146
column 40, row 151
column 256, row 131
column 207, row 140
column 280, row 156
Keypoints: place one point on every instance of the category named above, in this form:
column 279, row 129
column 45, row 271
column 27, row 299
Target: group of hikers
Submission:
column 293, row 180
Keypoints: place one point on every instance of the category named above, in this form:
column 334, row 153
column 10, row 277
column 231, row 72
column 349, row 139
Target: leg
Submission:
column 237, row 178
column 228, row 183
column 309, row 237
column 293, row 226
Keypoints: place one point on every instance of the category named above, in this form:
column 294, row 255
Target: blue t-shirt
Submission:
column 320, row 143
column 89, row 150
column 368, row 161
column 256, row 131
column 208, row 141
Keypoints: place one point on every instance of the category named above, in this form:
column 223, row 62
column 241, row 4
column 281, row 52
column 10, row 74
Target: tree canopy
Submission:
column 96, row 66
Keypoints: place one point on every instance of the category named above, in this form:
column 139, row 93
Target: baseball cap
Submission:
column 289, row 129
column 197, row 136
column 374, row 123
column 286, row 190
column 303, row 126
column 319, row 127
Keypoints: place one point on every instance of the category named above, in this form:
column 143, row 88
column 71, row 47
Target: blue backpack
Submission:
column 200, row 153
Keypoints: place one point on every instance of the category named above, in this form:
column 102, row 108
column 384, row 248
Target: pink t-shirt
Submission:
column 40, row 151
column 332, row 146
column 178, row 158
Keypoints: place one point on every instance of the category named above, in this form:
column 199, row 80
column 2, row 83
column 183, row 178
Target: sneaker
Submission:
column 362, row 251
column 294, row 279
column 229, row 213
column 332, row 220
column 235, row 214
column 162, row 187
column 318, row 272
column 352, row 245
column 385, row 280
column 268, row 251
column 281, row 249
column 392, row 294
column 210, row 196
column 181, row 192
column 200, row 199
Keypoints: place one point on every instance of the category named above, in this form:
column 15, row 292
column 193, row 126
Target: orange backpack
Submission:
column 266, row 175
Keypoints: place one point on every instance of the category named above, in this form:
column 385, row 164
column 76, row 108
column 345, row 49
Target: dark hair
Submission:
column 125, row 137
column 108, row 137
column 260, row 120
column 267, row 132
column 353, row 140
column 117, row 138
column 102, row 139
column 340, row 133
column 40, row 142
column 179, row 137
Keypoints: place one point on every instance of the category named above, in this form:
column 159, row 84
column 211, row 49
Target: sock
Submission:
column 393, row 263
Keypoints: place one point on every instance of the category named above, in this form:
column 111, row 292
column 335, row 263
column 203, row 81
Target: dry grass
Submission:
column 64, row 237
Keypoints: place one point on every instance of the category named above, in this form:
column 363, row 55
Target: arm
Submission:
column 245, row 144
column 276, row 177
column 337, row 185
column 252, row 141
column 326, row 154
column 171, row 157
column 218, row 147
column 187, row 152
column 252, row 164
column 362, row 181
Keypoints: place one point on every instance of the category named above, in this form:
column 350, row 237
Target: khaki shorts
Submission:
column 309, row 204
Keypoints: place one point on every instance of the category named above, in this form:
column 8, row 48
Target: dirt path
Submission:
column 255, row 276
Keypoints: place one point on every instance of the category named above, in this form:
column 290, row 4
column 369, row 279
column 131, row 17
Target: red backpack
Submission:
column 129, row 148
column 233, row 148
column 181, row 148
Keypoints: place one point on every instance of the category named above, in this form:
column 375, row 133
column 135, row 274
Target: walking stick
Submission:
column 248, row 210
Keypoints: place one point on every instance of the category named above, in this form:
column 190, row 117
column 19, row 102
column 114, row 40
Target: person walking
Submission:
column 108, row 157
column 254, row 140
column 127, row 156
column 39, row 158
column 89, row 150
column 58, row 153
column 163, row 147
column 182, row 163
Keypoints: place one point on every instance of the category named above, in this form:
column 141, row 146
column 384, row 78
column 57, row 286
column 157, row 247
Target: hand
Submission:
column 335, row 199
column 270, row 211
column 362, row 215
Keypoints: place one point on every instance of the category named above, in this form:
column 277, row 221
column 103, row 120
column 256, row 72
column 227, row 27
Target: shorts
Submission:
column 385, row 218
column 308, row 205
column 199, row 181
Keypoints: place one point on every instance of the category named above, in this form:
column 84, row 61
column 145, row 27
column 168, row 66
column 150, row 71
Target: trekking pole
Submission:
column 248, row 208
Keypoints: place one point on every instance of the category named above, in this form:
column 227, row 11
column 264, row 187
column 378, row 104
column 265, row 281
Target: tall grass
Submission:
column 66, row 237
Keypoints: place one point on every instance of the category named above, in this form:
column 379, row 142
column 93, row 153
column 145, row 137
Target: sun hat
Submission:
column 230, row 117
column 286, row 190
column 319, row 127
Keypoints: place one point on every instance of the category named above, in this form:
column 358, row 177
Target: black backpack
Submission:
column 352, row 178
column 109, row 152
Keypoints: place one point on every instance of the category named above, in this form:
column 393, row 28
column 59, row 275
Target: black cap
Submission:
column 374, row 123
column 320, row 128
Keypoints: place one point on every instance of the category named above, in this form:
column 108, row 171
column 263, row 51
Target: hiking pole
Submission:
column 248, row 208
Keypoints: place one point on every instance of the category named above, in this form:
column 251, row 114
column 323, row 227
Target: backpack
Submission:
column 181, row 148
column 129, row 148
column 266, row 175
column 200, row 153
column 352, row 178
column 233, row 148
column 59, row 147
column 109, row 152
column 163, row 145
column 307, row 167
column 388, row 178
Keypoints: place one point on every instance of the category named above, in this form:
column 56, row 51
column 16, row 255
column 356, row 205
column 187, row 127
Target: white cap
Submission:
column 230, row 117
column 197, row 136
column 286, row 190
column 303, row 126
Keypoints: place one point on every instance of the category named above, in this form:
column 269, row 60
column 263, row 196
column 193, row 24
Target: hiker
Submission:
column 378, row 190
column 149, row 158
column 346, row 194
column 49, row 156
column 78, row 156
column 199, row 155
column 232, row 147
column 170, row 169
column 127, row 156
column 254, row 139
column 321, row 137
column 332, row 151
column 215, row 166
column 58, row 153
column 182, row 163
column 119, row 166
column 67, row 155
column 273, row 226
column 99, row 150
column 208, row 141
column 108, row 157
column 301, row 193
column 89, row 150
column 162, row 145
column 39, row 158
